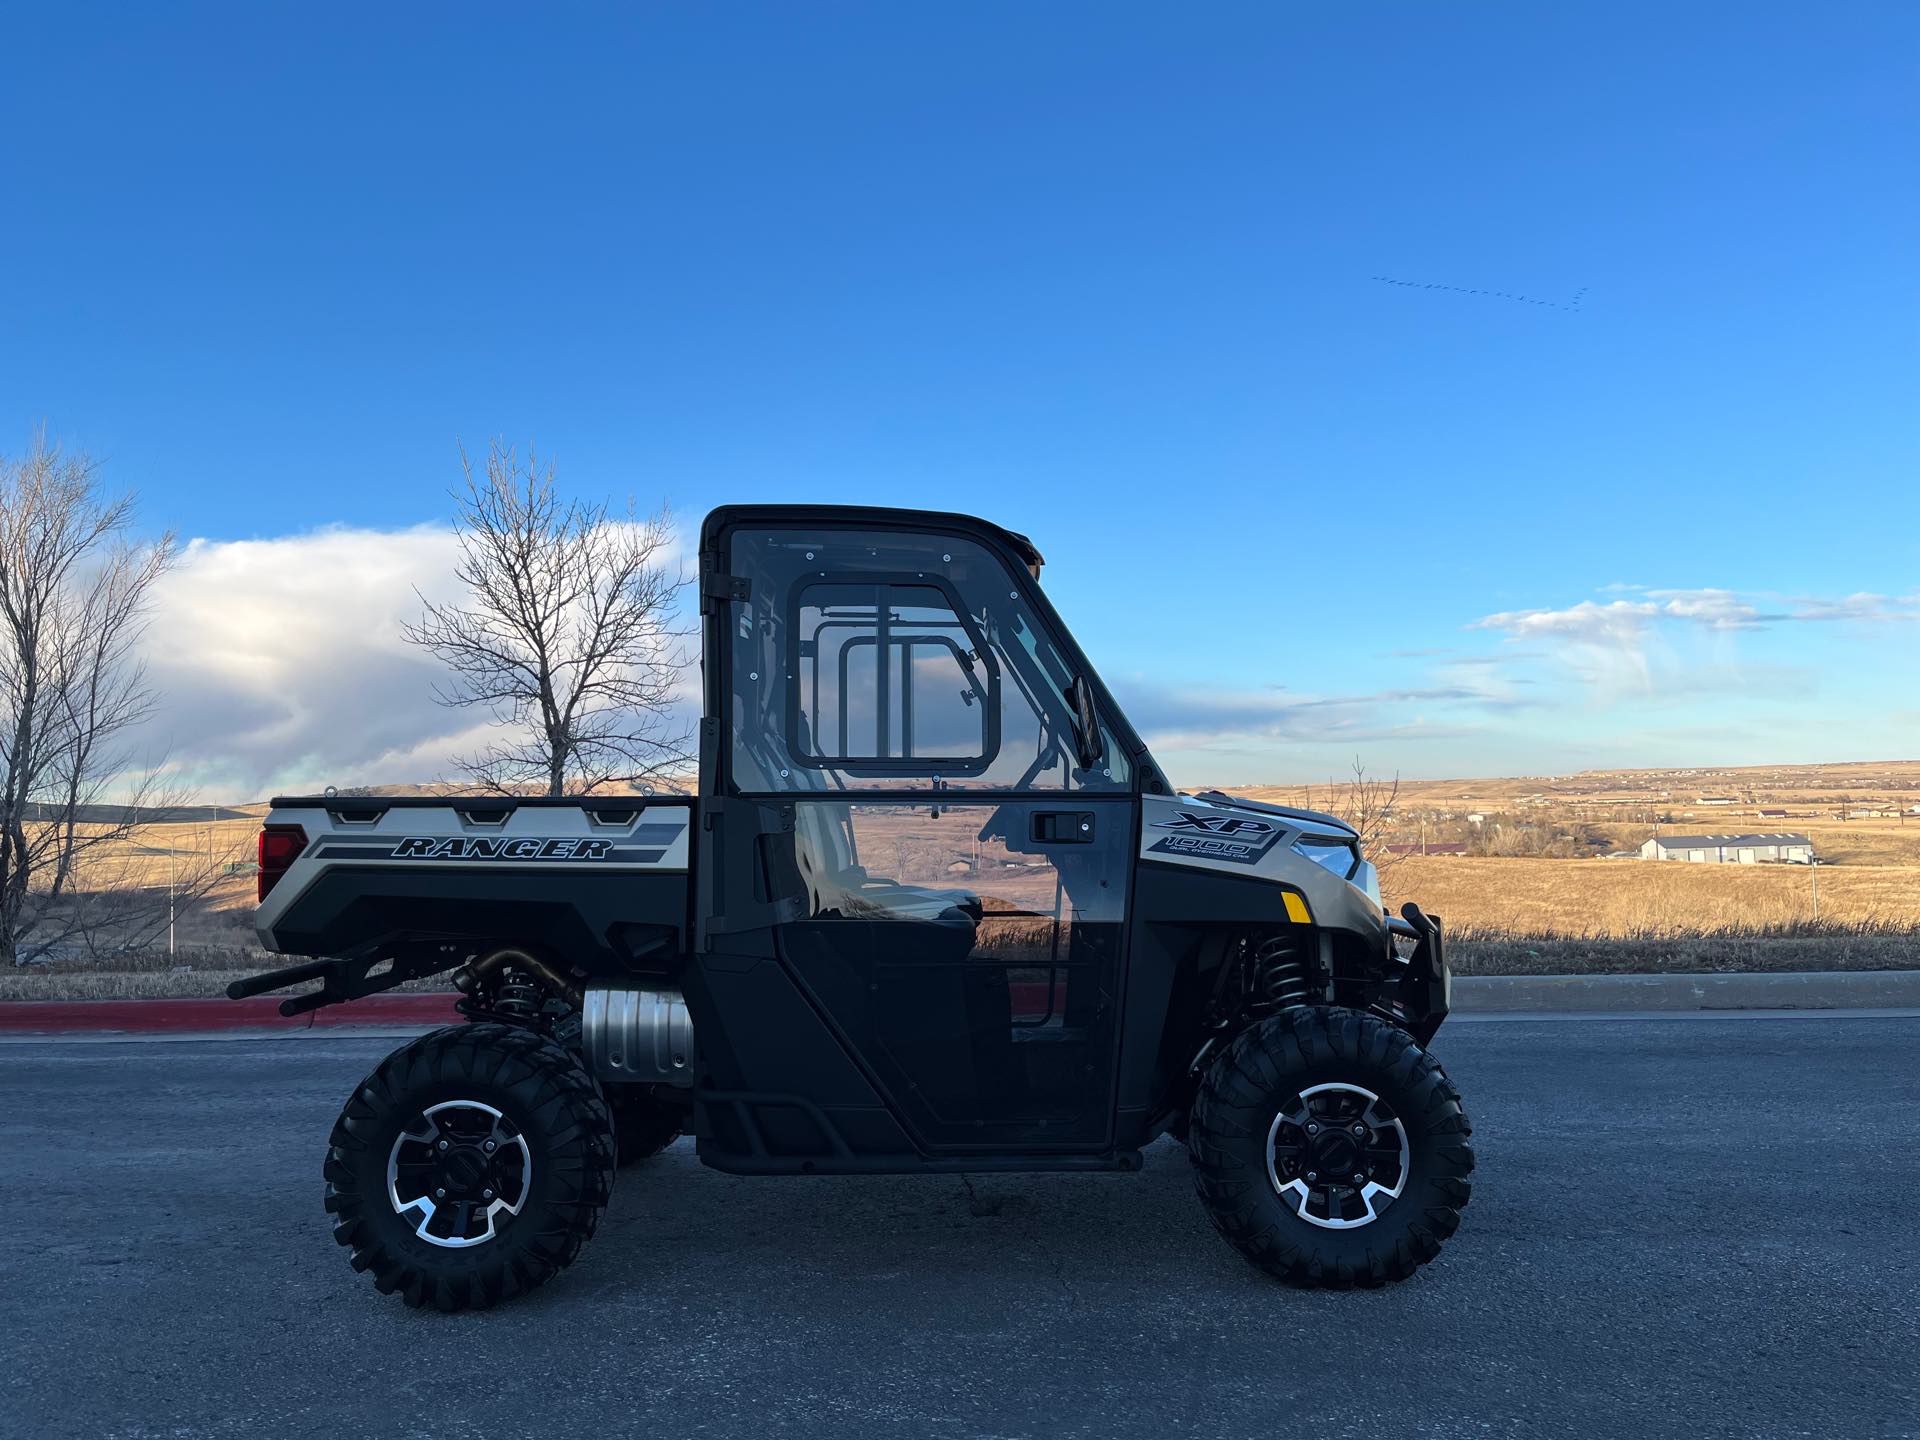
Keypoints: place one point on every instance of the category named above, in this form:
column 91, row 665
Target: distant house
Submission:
column 1773, row 814
column 1730, row 849
column 1714, row 800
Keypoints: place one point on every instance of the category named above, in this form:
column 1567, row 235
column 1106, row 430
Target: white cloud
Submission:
column 1618, row 622
column 280, row 661
column 281, row 666
column 1715, row 609
column 1639, row 644
column 1862, row 608
column 1603, row 644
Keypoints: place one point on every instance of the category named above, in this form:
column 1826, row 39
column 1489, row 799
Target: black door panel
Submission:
column 975, row 971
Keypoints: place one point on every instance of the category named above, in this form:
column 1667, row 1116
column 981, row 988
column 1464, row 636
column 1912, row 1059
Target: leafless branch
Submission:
column 73, row 606
column 567, row 638
column 1366, row 803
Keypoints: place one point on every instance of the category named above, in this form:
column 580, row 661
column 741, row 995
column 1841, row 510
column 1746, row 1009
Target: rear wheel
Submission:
column 470, row 1166
column 1330, row 1149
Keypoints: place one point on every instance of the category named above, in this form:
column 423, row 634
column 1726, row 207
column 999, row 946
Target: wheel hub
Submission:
column 455, row 1169
column 1338, row 1155
column 1333, row 1152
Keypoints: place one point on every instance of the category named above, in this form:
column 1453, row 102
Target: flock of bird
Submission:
column 1573, row 304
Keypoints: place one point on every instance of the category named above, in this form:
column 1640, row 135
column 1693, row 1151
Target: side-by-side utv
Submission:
column 934, row 908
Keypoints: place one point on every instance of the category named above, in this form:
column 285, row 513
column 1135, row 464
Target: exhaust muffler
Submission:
column 638, row 1036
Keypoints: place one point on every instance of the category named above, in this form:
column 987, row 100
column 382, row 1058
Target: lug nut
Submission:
column 488, row 1147
column 443, row 1144
column 439, row 1194
column 1359, row 1129
column 1311, row 1177
column 1312, row 1129
column 1358, row 1178
column 488, row 1194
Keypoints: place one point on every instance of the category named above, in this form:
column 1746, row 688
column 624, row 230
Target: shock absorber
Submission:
column 515, row 994
column 514, row 985
column 1277, row 972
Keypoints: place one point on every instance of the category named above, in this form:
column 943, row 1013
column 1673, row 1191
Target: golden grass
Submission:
column 152, row 854
column 1650, row 898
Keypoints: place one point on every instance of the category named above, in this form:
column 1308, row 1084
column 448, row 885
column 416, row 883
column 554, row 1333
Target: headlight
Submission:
column 1339, row 856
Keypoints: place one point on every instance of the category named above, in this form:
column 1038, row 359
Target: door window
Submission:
column 875, row 659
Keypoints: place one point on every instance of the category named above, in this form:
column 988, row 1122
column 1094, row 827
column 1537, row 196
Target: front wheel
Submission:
column 1330, row 1149
column 470, row 1166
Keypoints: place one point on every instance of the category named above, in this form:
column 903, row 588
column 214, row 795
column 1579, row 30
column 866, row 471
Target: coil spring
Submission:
column 1277, row 973
column 515, row 994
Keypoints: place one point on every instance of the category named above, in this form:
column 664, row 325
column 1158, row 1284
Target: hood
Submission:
column 1316, row 817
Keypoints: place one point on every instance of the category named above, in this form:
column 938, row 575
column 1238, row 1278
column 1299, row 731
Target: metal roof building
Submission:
column 1730, row 849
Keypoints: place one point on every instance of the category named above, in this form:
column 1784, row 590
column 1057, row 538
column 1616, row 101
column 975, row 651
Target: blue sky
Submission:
column 1144, row 281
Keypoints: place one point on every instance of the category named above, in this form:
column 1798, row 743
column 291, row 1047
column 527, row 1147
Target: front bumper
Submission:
column 1423, row 996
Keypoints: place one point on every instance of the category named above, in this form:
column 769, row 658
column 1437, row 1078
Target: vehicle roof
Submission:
column 1697, row 842
column 866, row 515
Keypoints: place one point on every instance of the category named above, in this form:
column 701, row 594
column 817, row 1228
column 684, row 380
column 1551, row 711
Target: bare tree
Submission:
column 1366, row 803
column 74, row 590
column 567, row 637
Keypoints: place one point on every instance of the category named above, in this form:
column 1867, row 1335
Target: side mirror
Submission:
column 1087, row 745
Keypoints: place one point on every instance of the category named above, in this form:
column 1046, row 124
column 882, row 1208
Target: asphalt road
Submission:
column 1679, row 1227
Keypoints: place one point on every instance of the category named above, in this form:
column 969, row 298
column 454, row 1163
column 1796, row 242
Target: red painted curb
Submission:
column 262, row 1012
column 53, row 1017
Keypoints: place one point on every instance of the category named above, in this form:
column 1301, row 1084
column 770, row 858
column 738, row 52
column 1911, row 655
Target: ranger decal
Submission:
column 512, row 849
column 498, row 847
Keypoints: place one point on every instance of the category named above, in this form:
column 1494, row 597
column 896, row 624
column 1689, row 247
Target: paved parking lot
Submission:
column 1679, row 1227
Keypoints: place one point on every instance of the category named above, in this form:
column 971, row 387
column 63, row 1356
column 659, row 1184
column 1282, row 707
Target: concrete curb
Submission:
column 1472, row 995
column 1788, row 990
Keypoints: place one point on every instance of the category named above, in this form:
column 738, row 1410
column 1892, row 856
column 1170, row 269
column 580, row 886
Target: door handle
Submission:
column 1061, row 827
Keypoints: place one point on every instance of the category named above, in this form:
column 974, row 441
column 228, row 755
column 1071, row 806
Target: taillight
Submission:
column 280, row 846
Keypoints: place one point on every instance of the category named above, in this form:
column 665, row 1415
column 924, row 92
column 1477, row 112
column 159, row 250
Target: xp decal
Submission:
column 1239, row 838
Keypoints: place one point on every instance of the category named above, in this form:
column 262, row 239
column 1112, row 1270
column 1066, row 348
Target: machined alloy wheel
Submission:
column 1338, row 1154
column 457, row 1167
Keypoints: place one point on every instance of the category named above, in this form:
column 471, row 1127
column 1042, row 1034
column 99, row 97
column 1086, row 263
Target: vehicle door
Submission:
column 952, row 889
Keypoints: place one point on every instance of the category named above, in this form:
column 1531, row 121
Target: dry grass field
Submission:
column 1857, row 816
column 1638, row 898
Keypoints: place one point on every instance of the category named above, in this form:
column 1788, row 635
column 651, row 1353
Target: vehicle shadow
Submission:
column 671, row 1218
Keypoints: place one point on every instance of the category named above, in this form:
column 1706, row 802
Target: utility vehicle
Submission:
column 934, row 908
